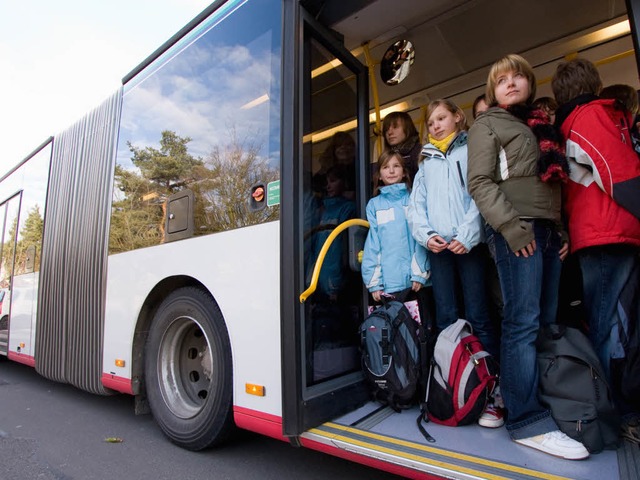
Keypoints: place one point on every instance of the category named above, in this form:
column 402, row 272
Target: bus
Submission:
column 158, row 247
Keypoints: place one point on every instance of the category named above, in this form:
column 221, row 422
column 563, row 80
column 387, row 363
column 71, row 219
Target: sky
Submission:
column 59, row 59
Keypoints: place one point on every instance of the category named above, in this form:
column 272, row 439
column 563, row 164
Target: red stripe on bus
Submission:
column 119, row 384
column 22, row 358
column 259, row 422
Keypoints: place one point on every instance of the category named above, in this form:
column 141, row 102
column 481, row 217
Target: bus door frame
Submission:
column 306, row 407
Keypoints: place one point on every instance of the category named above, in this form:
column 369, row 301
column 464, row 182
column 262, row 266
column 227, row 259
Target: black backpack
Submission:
column 625, row 372
column 390, row 342
column 572, row 385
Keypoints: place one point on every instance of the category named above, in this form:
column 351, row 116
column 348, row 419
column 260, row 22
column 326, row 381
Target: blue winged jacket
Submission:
column 392, row 259
column 440, row 202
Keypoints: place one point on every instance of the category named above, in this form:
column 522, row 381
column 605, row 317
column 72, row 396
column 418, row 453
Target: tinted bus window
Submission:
column 202, row 118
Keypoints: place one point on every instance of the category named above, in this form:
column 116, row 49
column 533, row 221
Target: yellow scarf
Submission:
column 443, row 144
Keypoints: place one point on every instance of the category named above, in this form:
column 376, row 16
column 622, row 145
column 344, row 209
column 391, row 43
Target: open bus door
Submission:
column 329, row 178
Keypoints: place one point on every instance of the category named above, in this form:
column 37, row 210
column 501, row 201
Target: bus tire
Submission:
column 188, row 370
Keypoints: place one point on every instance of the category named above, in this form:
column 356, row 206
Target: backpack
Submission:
column 390, row 347
column 573, row 387
column 625, row 372
column 461, row 379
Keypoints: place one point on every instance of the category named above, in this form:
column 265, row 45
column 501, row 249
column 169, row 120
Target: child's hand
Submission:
column 415, row 286
column 564, row 251
column 377, row 295
column 527, row 251
column 437, row 244
column 456, row 247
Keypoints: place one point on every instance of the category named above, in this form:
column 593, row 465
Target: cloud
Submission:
column 62, row 59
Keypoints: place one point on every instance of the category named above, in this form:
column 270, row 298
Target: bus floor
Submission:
column 467, row 450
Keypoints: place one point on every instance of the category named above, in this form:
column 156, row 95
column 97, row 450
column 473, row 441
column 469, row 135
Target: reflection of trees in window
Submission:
column 137, row 218
column 221, row 185
column 222, row 195
column 29, row 243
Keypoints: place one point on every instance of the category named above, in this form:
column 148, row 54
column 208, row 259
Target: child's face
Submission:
column 335, row 186
column 392, row 172
column 344, row 154
column 395, row 134
column 551, row 113
column 481, row 106
column 442, row 123
column 512, row 88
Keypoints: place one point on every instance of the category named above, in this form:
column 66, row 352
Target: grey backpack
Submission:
column 391, row 360
column 573, row 387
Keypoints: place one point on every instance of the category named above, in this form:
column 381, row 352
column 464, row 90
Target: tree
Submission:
column 137, row 218
column 168, row 167
column 30, row 236
column 233, row 169
column 136, row 213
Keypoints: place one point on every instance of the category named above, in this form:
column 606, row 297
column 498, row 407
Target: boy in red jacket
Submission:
column 601, row 199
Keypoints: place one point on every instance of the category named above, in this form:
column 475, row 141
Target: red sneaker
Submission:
column 492, row 417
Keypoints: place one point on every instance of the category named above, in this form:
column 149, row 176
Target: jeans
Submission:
column 605, row 271
column 530, row 290
column 471, row 270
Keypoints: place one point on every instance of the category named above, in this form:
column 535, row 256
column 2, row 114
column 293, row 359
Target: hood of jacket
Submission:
column 566, row 109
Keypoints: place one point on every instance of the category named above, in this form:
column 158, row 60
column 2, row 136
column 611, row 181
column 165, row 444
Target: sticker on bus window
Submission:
column 273, row 193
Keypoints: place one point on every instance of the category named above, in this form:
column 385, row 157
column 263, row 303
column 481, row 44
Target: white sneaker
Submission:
column 556, row 443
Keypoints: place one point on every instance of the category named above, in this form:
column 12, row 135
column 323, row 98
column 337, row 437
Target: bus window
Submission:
column 329, row 198
column 203, row 117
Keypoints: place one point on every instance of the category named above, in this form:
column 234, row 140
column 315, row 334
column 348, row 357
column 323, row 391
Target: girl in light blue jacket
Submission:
column 444, row 218
column 392, row 260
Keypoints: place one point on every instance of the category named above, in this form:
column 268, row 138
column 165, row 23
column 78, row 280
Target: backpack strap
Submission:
column 423, row 430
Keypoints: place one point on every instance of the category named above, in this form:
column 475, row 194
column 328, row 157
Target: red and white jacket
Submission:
column 602, row 197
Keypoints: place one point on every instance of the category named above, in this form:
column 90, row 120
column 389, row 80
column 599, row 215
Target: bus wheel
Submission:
column 188, row 370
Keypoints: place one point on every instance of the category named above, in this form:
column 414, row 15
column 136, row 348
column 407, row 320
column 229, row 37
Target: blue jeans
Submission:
column 530, row 290
column 470, row 268
column 605, row 271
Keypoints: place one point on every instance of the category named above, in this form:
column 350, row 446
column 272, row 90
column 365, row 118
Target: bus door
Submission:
column 9, row 222
column 321, row 375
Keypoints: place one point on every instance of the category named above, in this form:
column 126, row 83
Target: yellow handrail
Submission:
column 374, row 91
column 323, row 252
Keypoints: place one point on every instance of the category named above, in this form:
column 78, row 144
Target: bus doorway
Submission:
column 331, row 188
column 8, row 219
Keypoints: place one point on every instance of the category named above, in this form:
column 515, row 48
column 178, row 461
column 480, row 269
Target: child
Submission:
column 479, row 105
column 444, row 219
column 628, row 97
column 392, row 261
column 517, row 190
column 548, row 105
column 336, row 209
column 600, row 197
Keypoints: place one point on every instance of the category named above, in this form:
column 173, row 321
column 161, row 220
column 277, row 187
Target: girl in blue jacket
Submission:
column 444, row 218
column 392, row 260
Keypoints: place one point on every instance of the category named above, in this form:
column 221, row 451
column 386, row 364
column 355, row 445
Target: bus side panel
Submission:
column 23, row 314
column 240, row 268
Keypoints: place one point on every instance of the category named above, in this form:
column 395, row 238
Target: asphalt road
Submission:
column 51, row 431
